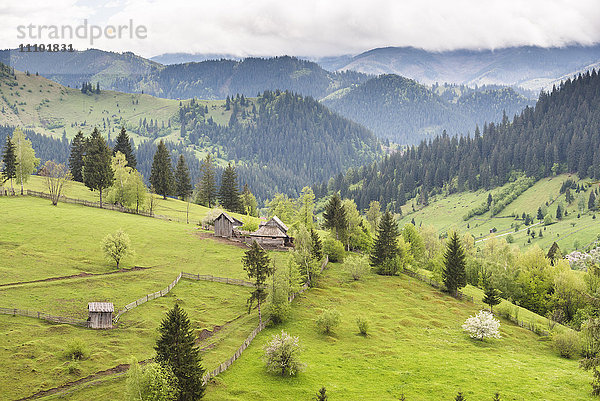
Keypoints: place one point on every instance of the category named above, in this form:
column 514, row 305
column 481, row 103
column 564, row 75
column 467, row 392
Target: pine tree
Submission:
column 559, row 213
column 123, row 145
column 540, row 214
column 97, row 164
column 207, row 191
column 229, row 196
column 491, row 296
column 453, row 274
column 183, row 184
column 76, row 158
column 258, row 266
column 385, row 246
column 9, row 158
column 335, row 217
column 176, row 351
column 592, row 201
column 316, row 245
column 161, row 176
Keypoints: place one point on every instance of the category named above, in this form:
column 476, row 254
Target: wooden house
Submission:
column 225, row 224
column 273, row 233
column 100, row 315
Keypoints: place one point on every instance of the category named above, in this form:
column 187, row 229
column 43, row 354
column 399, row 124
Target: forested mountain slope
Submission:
column 560, row 134
column 406, row 112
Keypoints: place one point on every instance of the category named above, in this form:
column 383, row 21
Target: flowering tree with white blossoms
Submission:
column 482, row 325
column 281, row 354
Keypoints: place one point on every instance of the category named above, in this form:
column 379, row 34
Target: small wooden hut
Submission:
column 225, row 224
column 272, row 233
column 100, row 315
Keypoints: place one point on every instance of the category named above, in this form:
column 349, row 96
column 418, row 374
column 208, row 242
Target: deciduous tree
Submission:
column 25, row 157
column 56, row 175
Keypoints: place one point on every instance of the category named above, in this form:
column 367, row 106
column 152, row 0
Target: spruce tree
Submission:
column 176, row 351
column 453, row 274
column 97, row 164
column 559, row 213
column 229, row 195
column 9, row 158
column 321, row 394
column 161, row 176
column 316, row 245
column 540, row 214
column 76, row 158
column 183, row 185
column 207, row 191
column 123, row 145
column 385, row 248
column 335, row 217
column 258, row 266
column 491, row 296
column 592, row 201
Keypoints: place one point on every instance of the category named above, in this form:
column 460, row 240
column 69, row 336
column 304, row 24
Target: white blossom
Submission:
column 483, row 325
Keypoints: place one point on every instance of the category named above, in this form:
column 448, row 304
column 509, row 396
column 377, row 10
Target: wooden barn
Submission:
column 272, row 233
column 225, row 224
column 100, row 315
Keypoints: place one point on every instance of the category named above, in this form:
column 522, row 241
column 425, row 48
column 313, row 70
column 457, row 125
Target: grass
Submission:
column 415, row 347
column 446, row 213
column 41, row 241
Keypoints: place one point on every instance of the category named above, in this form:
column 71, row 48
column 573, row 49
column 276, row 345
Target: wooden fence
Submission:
column 44, row 316
column 434, row 284
column 147, row 298
column 225, row 365
column 208, row 277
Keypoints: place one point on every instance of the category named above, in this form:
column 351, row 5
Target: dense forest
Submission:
column 559, row 134
column 284, row 141
column 406, row 112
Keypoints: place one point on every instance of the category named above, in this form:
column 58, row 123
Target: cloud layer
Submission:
column 316, row 27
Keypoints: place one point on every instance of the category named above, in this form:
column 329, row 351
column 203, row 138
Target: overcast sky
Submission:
column 309, row 27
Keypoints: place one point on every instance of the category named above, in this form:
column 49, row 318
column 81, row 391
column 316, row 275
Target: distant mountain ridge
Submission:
column 530, row 67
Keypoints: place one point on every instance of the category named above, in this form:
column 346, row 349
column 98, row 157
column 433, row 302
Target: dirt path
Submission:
column 80, row 275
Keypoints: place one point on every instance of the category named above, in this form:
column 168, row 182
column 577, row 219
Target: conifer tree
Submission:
column 229, row 196
column 183, row 184
column 9, row 159
column 453, row 274
column 559, row 213
column 335, row 217
column 258, row 266
column 25, row 156
column 592, row 201
column 385, row 248
column 176, row 351
column 76, row 158
column 97, row 164
column 459, row 397
column 491, row 296
column 540, row 214
column 207, row 190
column 161, row 176
column 123, row 145
column 321, row 394
column 316, row 245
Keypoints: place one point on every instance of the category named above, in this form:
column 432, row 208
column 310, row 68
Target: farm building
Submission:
column 225, row 224
column 272, row 233
column 100, row 315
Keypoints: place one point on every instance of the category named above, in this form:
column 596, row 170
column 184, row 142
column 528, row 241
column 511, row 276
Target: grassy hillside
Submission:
column 446, row 213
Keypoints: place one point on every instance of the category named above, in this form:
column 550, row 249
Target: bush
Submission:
column 278, row 311
column 328, row 320
column 282, row 354
column 76, row 350
column 335, row 249
column 209, row 219
column 567, row 343
column 483, row 325
column 363, row 326
column 357, row 266
column 250, row 225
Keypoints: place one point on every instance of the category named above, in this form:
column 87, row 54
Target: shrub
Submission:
column 567, row 343
column 209, row 219
column 483, row 325
column 363, row 326
column 72, row 368
column 328, row 320
column 282, row 354
column 250, row 225
column 278, row 311
column 357, row 266
column 76, row 350
column 153, row 382
column 335, row 249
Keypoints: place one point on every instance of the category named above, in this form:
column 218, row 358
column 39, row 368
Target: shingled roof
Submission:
column 101, row 307
column 233, row 220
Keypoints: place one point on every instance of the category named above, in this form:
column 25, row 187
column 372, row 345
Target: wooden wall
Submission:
column 223, row 227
